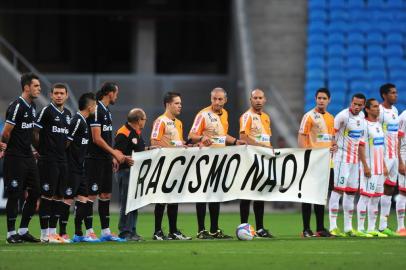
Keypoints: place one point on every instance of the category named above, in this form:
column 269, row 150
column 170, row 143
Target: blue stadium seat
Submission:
column 316, row 39
column 357, row 74
column 377, row 74
column 309, row 106
column 357, row 15
column 338, row 26
column 337, row 4
column 335, row 108
column 381, row 15
column 355, row 50
column 375, row 4
column 355, row 63
column 335, row 63
column 394, row 38
column 375, row 38
column 394, row 51
column 396, row 63
column 317, row 4
column 336, row 50
column 395, row 4
column 338, row 96
column 336, row 38
column 313, row 85
column 359, row 87
column 375, row 51
column 356, row 4
column 337, row 86
column 365, row 26
column 315, row 74
column 376, row 84
column 317, row 15
column 356, row 38
column 338, row 14
column 336, row 74
column 397, row 74
column 317, row 27
column 315, row 63
column 375, row 63
column 315, row 50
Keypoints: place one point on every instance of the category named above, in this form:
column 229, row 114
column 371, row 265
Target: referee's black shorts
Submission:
column 53, row 177
column 99, row 174
column 20, row 174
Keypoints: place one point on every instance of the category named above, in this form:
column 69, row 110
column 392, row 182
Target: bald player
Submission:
column 255, row 129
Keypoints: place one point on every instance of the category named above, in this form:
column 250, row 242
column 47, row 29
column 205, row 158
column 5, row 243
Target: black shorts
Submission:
column 77, row 185
column 53, row 177
column 99, row 174
column 20, row 174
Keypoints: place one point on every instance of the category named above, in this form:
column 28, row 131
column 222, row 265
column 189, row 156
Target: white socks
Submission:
column 348, row 207
column 106, row 231
column 44, row 233
column 385, row 210
column 400, row 211
column 362, row 212
column 333, row 208
column 22, row 231
column 372, row 213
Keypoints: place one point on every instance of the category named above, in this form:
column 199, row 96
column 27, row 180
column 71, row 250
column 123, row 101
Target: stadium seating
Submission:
column 355, row 46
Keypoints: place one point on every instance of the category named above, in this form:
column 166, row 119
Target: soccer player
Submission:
column 167, row 131
column 76, row 188
column 401, row 200
column 349, row 125
column 317, row 131
column 255, row 129
column 371, row 151
column 20, row 169
column 210, row 128
column 51, row 128
column 98, row 163
column 388, row 117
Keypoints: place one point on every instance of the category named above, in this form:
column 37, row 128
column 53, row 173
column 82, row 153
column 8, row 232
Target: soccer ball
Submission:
column 245, row 232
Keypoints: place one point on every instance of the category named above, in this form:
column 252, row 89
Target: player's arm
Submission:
column 7, row 129
column 362, row 158
column 402, row 169
column 230, row 140
column 100, row 142
column 302, row 140
column 120, row 144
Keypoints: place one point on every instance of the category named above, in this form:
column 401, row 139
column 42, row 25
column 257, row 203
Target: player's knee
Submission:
column 68, row 201
column 105, row 196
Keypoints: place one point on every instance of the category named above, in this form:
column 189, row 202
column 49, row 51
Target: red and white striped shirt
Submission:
column 389, row 120
column 374, row 141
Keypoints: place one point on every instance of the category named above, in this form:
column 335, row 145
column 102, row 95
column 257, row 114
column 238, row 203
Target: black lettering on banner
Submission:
column 182, row 183
column 306, row 165
column 254, row 169
column 165, row 189
column 289, row 157
column 198, row 174
column 154, row 184
column 271, row 180
column 141, row 179
column 215, row 173
column 233, row 157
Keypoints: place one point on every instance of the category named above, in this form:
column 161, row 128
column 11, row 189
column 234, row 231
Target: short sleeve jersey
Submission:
column 79, row 136
column 101, row 118
column 373, row 139
column 128, row 140
column 349, row 132
column 389, row 119
column 21, row 115
column 169, row 131
column 256, row 126
column 319, row 127
column 213, row 125
column 402, row 132
column 53, row 125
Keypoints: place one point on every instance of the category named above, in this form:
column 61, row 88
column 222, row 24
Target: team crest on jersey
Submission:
column 68, row 191
column 95, row 187
column 45, row 187
column 33, row 112
column 255, row 118
column 68, row 119
column 57, row 119
column 134, row 140
column 358, row 123
column 25, row 115
column 14, row 183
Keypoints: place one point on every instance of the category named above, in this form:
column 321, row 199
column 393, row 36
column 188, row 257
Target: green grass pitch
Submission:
column 286, row 251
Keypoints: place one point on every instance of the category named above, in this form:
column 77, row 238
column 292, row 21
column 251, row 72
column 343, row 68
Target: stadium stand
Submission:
column 355, row 46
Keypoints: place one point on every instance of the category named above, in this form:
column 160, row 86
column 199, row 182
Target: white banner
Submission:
column 185, row 175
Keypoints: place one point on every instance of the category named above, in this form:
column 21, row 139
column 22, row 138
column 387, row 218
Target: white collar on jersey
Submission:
column 84, row 119
column 104, row 107
column 61, row 112
column 25, row 102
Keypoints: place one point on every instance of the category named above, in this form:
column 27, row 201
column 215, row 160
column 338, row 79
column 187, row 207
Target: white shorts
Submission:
column 393, row 169
column 372, row 186
column 402, row 178
column 346, row 176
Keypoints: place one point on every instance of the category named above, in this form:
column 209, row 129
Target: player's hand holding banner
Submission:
column 180, row 175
